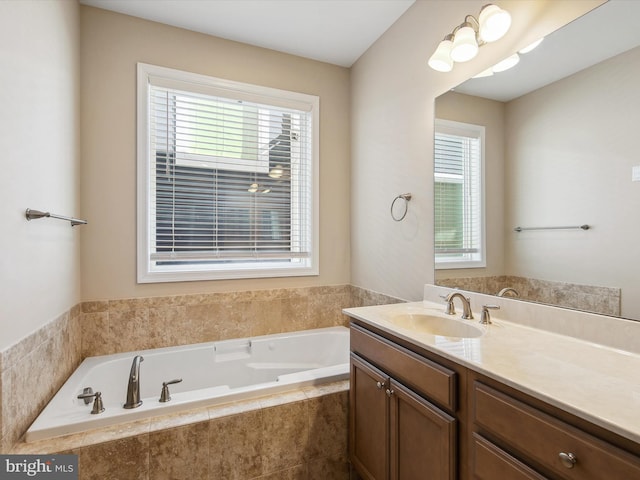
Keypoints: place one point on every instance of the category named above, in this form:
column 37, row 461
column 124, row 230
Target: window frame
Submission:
column 147, row 271
column 452, row 127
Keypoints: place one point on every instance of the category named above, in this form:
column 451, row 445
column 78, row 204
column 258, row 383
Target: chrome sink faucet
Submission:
column 133, row 388
column 467, row 314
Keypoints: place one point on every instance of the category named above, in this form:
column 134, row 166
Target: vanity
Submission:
column 437, row 397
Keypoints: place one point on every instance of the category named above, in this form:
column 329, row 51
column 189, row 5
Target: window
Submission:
column 459, row 195
column 227, row 179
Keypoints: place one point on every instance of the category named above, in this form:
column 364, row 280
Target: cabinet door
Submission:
column 369, row 420
column 423, row 438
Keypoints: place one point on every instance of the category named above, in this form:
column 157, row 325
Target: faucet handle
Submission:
column 485, row 317
column 164, row 395
column 450, row 308
column 98, row 406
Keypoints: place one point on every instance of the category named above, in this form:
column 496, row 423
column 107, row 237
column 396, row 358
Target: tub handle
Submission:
column 98, row 407
column 164, row 395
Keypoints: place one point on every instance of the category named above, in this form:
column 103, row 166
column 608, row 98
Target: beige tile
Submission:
column 95, row 306
column 285, row 436
column 235, row 446
column 129, row 330
column 125, row 459
column 328, row 418
column 96, row 339
column 325, row 469
column 117, row 432
column 169, row 326
column 180, row 453
column 268, row 317
column 299, row 472
column 179, row 419
column 235, row 408
column 326, row 388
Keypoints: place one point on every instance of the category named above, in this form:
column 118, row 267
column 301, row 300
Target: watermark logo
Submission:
column 50, row 467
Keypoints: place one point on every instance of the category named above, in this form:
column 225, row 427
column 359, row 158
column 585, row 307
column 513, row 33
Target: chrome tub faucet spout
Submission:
column 133, row 388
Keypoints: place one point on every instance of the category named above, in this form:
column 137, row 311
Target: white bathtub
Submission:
column 212, row 373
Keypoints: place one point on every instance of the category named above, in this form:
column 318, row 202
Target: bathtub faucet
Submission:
column 133, row 389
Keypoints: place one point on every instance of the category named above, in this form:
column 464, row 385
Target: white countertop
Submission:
column 598, row 383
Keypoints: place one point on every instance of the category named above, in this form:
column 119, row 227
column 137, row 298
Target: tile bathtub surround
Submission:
column 32, row 370
column 136, row 324
column 35, row 368
column 297, row 435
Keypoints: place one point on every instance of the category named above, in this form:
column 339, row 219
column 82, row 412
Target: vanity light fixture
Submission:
column 462, row 44
column 508, row 62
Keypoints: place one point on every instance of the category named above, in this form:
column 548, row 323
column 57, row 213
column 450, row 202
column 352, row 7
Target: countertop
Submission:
column 597, row 383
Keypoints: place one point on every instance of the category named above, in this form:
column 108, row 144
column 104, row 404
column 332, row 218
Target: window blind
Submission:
column 458, row 195
column 230, row 179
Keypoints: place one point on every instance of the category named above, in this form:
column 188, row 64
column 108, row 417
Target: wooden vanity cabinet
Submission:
column 415, row 415
column 396, row 432
column 513, row 439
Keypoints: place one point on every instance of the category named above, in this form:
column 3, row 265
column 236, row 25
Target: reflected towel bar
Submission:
column 581, row 227
column 34, row 214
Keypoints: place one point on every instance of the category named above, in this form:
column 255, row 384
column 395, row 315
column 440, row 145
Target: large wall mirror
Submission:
column 561, row 151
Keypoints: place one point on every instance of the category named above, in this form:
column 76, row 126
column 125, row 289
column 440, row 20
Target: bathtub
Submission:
column 212, row 373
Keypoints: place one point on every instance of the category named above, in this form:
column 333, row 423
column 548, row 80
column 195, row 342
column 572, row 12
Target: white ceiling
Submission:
column 333, row 31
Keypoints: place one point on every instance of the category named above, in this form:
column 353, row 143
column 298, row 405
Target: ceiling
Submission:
column 604, row 32
column 332, row 31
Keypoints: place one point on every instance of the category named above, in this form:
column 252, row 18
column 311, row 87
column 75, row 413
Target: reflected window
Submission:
column 458, row 201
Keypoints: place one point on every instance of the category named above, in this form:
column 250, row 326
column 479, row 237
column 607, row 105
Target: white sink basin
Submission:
column 437, row 325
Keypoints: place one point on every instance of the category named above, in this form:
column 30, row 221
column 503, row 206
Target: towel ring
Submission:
column 406, row 197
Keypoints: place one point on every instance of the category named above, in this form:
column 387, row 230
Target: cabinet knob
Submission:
column 380, row 385
column 568, row 459
column 389, row 392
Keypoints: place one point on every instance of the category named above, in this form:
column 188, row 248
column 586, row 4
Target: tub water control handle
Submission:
column 164, row 395
column 98, row 407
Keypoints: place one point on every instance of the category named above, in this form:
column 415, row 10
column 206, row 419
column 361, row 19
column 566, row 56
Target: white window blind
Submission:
column 230, row 179
column 458, row 202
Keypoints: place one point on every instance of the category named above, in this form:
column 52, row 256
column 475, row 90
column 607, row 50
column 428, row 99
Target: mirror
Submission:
column 561, row 151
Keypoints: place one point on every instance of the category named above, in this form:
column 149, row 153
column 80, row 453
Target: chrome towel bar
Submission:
column 35, row 214
column 582, row 227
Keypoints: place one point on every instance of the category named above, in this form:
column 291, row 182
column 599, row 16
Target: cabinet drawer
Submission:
column 540, row 438
column 491, row 463
column 428, row 378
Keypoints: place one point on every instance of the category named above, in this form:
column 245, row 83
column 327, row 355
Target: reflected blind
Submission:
column 458, row 196
column 230, row 179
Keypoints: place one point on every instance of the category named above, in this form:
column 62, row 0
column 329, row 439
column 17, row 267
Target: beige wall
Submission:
column 490, row 114
column 111, row 46
column 393, row 94
column 39, row 265
column 570, row 150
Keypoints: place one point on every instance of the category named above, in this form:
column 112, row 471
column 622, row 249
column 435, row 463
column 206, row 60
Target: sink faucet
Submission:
column 466, row 305
column 133, row 389
column 510, row 290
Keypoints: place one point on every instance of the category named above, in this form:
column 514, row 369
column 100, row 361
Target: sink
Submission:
column 437, row 325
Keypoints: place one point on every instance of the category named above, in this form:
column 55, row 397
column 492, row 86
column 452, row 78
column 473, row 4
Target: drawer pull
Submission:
column 380, row 385
column 389, row 392
column 568, row 459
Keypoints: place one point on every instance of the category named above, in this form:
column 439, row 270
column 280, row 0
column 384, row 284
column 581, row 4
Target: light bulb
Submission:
column 276, row 172
column 485, row 73
column 528, row 48
column 465, row 46
column 441, row 58
column 506, row 64
column 494, row 23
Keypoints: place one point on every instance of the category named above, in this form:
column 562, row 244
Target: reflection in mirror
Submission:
column 560, row 150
